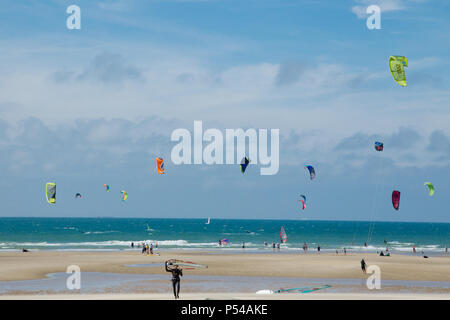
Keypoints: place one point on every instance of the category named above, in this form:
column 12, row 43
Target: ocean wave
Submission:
column 101, row 232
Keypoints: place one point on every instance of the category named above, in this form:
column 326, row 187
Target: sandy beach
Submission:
column 16, row 266
column 35, row 265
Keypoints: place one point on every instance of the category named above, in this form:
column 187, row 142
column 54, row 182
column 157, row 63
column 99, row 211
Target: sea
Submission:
column 114, row 234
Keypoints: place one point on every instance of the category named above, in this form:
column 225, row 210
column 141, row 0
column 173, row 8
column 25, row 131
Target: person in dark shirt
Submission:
column 363, row 266
column 176, row 274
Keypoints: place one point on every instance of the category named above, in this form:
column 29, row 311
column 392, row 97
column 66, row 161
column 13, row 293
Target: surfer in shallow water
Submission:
column 176, row 273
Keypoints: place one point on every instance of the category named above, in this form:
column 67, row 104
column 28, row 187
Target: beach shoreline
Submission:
column 151, row 281
column 36, row 265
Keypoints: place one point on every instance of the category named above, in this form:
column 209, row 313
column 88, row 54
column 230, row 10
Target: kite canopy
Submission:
column 283, row 235
column 312, row 172
column 303, row 201
column 397, row 66
column 396, row 199
column 78, row 195
column 124, row 195
column 244, row 163
column 430, row 188
column 303, row 204
column 160, row 165
column 379, row 146
column 106, row 187
column 224, row 241
column 50, row 192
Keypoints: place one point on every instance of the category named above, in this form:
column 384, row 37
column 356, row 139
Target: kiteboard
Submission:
column 297, row 290
column 184, row 264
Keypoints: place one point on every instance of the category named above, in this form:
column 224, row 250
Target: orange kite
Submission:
column 160, row 165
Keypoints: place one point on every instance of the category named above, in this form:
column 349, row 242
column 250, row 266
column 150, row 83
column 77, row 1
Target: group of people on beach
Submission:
column 146, row 248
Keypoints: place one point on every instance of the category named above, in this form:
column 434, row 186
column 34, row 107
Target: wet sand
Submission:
column 37, row 265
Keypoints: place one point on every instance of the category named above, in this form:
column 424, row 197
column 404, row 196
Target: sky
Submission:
column 97, row 105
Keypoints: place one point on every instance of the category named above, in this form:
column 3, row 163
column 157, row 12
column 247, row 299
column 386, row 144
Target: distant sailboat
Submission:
column 209, row 221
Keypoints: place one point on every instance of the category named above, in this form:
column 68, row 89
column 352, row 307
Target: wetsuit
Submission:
column 363, row 265
column 176, row 273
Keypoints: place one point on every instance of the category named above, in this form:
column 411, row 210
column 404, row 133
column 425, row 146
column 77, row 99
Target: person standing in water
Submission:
column 176, row 274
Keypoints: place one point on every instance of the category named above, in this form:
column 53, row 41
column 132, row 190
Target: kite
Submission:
column 160, row 165
column 430, row 188
column 397, row 66
column 396, row 199
column 106, row 187
column 379, row 146
column 78, row 195
column 303, row 201
column 312, row 172
column 124, row 195
column 244, row 163
column 50, row 192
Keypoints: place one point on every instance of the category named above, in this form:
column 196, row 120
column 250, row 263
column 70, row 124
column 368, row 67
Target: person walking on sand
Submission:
column 363, row 266
column 176, row 274
column 318, row 248
column 414, row 248
column 345, row 251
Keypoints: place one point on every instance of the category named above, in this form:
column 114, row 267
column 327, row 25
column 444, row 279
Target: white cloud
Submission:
column 385, row 6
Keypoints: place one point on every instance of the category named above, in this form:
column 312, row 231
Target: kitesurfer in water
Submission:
column 176, row 274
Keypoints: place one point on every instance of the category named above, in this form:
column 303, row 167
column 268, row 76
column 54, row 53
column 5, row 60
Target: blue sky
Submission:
column 97, row 105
